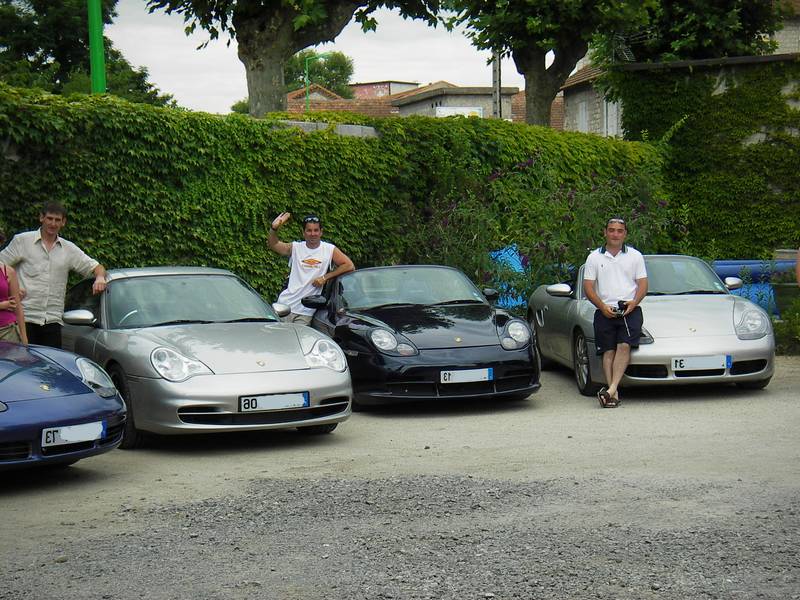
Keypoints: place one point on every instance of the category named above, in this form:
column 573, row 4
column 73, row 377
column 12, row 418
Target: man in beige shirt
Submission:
column 43, row 261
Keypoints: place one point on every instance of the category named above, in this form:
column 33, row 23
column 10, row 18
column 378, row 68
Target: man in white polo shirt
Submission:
column 310, row 261
column 615, row 281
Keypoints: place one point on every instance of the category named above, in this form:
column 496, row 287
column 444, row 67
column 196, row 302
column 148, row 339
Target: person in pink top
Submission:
column 12, row 315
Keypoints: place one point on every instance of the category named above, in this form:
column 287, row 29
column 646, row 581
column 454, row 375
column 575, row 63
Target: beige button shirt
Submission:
column 44, row 274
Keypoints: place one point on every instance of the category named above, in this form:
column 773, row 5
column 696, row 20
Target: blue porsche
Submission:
column 55, row 407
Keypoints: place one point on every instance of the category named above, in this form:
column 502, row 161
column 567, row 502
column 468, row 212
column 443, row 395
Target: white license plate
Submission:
column 273, row 402
column 700, row 363
column 73, row 434
column 466, row 375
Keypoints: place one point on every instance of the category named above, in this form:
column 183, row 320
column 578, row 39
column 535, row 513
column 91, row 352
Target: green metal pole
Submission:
column 96, row 50
column 308, row 58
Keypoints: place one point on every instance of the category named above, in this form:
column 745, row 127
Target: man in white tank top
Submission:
column 310, row 261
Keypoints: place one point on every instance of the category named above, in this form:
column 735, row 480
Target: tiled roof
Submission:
column 425, row 88
column 584, row 75
column 313, row 89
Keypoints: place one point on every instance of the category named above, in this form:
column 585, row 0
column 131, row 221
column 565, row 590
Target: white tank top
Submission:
column 306, row 266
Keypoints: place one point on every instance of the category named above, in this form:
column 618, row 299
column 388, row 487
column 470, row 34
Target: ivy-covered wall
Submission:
column 148, row 186
column 734, row 164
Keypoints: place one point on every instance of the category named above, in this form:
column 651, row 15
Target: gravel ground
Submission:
column 374, row 511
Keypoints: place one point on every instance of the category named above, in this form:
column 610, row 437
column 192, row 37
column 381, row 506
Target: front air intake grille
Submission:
column 700, row 373
column 272, row 417
column 647, row 371
column 743, row 367
column 14, row 451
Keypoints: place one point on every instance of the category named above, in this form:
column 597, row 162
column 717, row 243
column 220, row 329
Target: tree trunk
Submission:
column 267, row 39
column 542, row 83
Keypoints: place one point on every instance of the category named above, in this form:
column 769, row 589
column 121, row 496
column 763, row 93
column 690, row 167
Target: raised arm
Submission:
column 273, row 242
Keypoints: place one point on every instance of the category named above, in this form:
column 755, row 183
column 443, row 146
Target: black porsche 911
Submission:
column 424, row 332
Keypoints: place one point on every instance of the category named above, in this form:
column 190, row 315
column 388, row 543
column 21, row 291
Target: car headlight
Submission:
column 516, row 335
column 325, row 353
column 749, row 322
column 645, row 337
column 96, row 378
column 383, row 340
column 387, row 342
column 174, row 366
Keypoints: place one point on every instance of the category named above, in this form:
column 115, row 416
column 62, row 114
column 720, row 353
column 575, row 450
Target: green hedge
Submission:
column 146, row 185
column 734, row 165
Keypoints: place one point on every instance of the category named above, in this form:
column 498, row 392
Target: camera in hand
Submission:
column 622, row 306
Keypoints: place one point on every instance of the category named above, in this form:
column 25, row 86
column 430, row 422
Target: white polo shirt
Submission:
column 615, row 276
column 44, row 273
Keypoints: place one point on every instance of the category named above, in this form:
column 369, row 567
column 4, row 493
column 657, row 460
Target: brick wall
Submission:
column 372, row 107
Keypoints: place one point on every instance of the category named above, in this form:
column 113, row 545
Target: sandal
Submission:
column 605, row 398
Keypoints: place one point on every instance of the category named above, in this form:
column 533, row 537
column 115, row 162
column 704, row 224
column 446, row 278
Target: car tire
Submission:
column 131, row 437
column 581, row 366
column 318, row 429
column 545, row 364
column 753, row 385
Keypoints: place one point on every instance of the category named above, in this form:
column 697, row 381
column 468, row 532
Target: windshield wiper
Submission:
column 462, row 301
column 689, row 292
column 181, row 322
column 658, row 293
column 394, row 305
column 250, row 320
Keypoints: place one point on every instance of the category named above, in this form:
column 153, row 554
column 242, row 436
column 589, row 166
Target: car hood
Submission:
column 437, row 326
column 25, row 374
column 696, row 315
column 228, row 348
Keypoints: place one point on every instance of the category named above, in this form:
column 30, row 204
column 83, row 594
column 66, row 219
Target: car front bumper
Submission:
column 651, row 364
column 381, row 379
column 21, row 440
column 210, row 403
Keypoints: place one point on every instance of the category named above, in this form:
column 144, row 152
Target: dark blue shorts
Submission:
column 620, row 330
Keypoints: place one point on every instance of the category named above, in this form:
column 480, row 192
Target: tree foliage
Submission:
column 45, row 44
column 270, row 33
column 333, row 72
column 528, row 31
column 694, row 29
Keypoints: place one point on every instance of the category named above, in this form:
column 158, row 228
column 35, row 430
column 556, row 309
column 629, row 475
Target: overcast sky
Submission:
column 212, row 79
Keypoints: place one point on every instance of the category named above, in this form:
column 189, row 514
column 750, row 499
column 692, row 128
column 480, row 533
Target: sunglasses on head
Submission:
column 311, row 219
column 615, row 220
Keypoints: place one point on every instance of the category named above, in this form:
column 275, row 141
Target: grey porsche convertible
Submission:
column 695, row 330
column 197, row 350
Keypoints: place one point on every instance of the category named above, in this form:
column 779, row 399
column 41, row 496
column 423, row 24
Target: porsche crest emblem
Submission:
column 261, row 363
column 44, row 387
column 458, row 339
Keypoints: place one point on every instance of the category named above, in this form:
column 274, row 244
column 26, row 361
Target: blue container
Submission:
column 756, row 271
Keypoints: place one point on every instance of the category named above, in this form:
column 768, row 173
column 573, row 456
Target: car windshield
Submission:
column 399, row 286
column 173, row 299
column 674, row 275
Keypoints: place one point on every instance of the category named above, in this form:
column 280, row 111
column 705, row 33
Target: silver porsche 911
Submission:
column 695, row 330
column 195, row 349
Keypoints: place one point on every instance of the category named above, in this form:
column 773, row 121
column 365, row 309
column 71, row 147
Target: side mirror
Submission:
column 80, row 316
column 490, row 293
column 317, row 301
column 733, row 283
column 281, row 309
column 561, row 290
